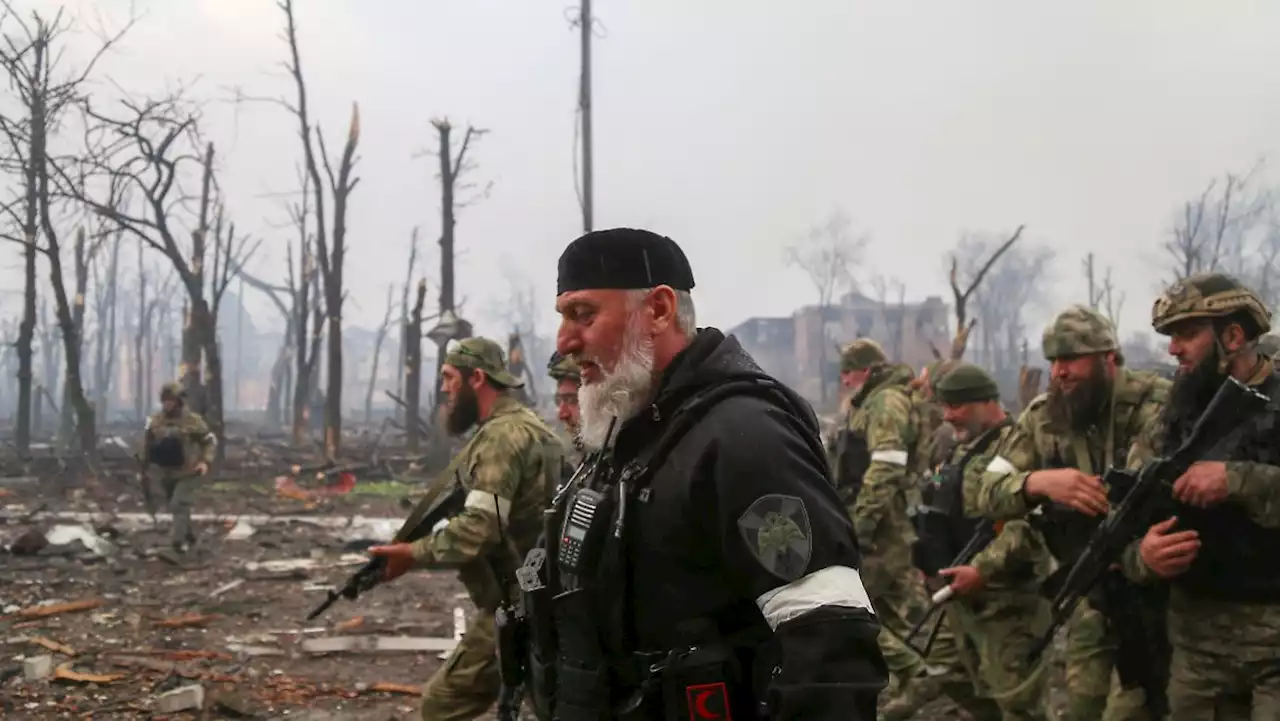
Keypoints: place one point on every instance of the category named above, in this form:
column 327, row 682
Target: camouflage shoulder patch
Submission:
column 777, row 532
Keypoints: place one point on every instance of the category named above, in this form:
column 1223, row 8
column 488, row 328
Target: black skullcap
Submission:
column 623, row 259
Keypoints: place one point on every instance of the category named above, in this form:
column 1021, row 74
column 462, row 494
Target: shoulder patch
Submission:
column 777, row 532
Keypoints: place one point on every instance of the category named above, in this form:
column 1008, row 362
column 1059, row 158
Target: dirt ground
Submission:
column 142, row 621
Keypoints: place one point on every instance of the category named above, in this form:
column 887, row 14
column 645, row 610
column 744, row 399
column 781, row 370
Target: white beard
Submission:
column 622, row 393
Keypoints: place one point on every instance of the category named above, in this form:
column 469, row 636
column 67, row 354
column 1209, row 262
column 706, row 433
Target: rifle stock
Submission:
column 1145, row 498
column 421, row 521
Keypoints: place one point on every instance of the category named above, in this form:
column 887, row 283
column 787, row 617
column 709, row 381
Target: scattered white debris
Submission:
column 181, row 699
column 227, row 587
column 63, row 535
column 242, row 530
column 377, row 644
column 37, row 668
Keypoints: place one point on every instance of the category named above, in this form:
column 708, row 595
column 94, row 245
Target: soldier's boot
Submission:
column 912, row 696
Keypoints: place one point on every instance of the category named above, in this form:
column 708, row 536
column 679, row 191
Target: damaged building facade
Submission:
column 803, row 350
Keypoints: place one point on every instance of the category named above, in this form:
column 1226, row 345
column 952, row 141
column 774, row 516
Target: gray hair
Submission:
column 686, row 315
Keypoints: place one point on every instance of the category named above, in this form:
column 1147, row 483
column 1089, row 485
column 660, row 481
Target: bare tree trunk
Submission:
column 31, row 221
column 377, row 351
column 413, row 371
column 74, row 319
column 140, row 346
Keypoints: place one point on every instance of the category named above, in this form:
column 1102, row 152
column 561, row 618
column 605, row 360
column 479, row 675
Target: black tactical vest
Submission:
column 1239, row 560
column 942, row 528
column 853, row 458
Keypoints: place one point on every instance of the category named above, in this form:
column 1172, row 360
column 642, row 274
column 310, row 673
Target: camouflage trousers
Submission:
column 1226, row 660
column 1094, row 690
column 179, row 494
column 469, row 682
column 996, row 632
column 897, row 591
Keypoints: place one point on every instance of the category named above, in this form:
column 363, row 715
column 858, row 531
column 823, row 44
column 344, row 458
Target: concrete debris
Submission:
column 66, row 535
column 377, row 644
column 37, row 668
column 254, row 651
column 242, row 530
column 227, row 587
column 181, row 699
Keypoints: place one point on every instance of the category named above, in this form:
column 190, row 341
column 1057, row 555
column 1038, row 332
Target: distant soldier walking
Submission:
column 180, row 444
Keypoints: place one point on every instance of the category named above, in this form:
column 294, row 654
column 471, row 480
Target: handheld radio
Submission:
column 582, row 533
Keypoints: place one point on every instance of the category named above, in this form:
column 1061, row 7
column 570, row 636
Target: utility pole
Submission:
column 584, row 106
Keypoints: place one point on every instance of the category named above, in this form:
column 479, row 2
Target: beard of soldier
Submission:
column 1200, row 347
column 1077, row 400
column 464, row 408
column 621, row 392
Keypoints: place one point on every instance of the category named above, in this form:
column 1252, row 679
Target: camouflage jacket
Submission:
column 882, row 414
column 509, row 468
column 1036, row 444
column 198, row 442
column 1017, row 559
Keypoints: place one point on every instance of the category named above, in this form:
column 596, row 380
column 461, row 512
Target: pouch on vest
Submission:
column 705, row 683
column 167, row 452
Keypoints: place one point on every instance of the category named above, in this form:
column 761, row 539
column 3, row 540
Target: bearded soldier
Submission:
column 509, row 468
column 565, row 373
column 998, row 612
column 702, row 568
column 1093, row 418
column 178, row 441
column 1219, row 552
column 879, row 471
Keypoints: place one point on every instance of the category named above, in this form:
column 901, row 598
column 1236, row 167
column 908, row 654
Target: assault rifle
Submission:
column 430, row 511
column 982, row 537
column 1145, row 499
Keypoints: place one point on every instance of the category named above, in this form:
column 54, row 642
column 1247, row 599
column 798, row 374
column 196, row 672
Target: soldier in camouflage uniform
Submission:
column 568, row 378
column 510, row 467
column 998, row 613
column 936, row 438
column 1219, row 552
column 1093, row 417
column 877, row 477
column 180, row 444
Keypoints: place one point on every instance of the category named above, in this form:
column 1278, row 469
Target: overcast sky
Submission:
column 732, row 126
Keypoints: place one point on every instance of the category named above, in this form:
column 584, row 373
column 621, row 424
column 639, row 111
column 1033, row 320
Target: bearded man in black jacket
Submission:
column 713, row 573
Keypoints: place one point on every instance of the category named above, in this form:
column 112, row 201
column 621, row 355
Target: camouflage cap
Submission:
column 1207, row 295
column 1078, row 331
column 481, row 354
column 966, row 383
column 173, row 389
column 563, row 368
column 861, row 354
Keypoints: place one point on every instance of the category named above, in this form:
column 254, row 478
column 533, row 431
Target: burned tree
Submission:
column 1102, row 293
column 151, row 298
column 330, row 235
column 1232, row 226
column 413, row 370
column 827, row 254
column 452, row 169
column 402, row 347
column 41, row 93
column 105, row 294
column 378, row 340
column 964, row 325
column 144, row 151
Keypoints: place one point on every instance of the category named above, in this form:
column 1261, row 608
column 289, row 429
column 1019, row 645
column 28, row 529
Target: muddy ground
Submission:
column 127, row 622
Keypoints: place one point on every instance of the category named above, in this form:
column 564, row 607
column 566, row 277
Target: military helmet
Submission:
column 562, row 368
column 174, row 390
column 1078, row 331
column 1207, row 295
column 861, row 354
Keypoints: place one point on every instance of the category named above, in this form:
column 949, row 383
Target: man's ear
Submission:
column 662, row 308
column 477, row 379
column 1233, row 338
